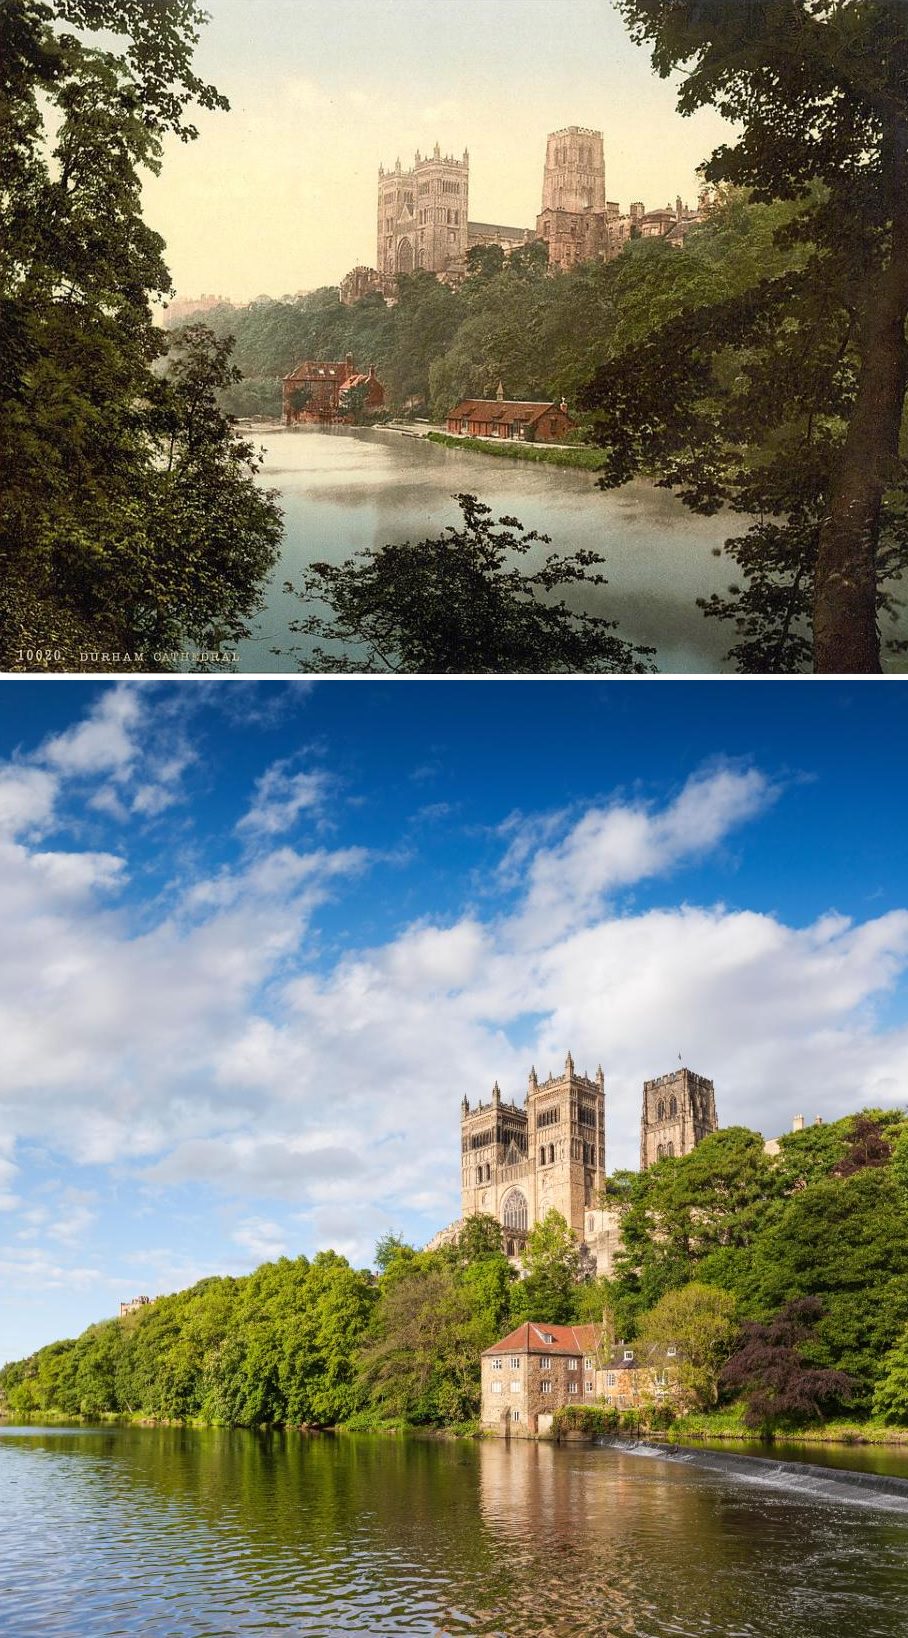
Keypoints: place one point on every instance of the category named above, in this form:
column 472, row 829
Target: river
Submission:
column 343, row 489
column 203, row 1533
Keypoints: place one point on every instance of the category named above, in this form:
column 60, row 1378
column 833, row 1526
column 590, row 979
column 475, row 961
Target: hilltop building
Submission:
column 574, row 220
column 517, row 1163
column 135, row 1305
column 679, row 1111
column 364, row 281
column 521, row 1161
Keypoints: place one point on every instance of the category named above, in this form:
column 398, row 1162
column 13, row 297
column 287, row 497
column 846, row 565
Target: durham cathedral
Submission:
column 519, row 1162
column 424, row 216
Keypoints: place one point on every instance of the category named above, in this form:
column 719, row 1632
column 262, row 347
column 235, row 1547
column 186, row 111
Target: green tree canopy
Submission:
column 818, row 93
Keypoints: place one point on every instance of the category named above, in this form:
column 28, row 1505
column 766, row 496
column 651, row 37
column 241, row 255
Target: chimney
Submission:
column 349, row 363
column 371, row 372
column 817, row 1120
column 500, row 393
column 797, row 1124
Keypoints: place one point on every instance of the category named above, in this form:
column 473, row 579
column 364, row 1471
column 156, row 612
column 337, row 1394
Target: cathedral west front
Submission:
column 520, row 1161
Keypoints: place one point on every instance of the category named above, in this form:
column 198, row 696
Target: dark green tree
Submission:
column 551, row 1258
column 460, row 602
column 97, row 549
column 818, row 90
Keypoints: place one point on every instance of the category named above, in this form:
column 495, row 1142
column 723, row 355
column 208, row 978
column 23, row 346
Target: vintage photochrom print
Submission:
column 384, row 336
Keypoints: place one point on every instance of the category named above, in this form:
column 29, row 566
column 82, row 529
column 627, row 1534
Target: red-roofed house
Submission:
column 538, row 1369
column 530, row 421
column 315, row 389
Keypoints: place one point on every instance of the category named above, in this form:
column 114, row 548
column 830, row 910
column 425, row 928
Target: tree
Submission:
column 421, row 1361
column 100, row 547
column 890, row 1401
column 819, row 91
column 769, row 1369
column 698, row 1320
column 460, row 603
column 551, row 1258
column 843, row 1241
column 699, row 1216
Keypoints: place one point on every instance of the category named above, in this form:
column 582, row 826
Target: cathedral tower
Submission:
column 679, row 1111
column 422, row 214
column 574, row 177
column 517, row 1163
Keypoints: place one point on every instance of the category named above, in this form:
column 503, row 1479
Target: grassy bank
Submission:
column 730, row 1425
column 589, row 460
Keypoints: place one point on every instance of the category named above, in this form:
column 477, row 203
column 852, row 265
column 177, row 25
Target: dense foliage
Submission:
column 817, row 94
column 130, row 523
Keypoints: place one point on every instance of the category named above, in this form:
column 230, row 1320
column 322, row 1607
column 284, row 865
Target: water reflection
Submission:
column 344, row 490
column 152, row 1531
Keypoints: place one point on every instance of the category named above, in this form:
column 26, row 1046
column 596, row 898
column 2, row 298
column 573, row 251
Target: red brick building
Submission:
column 529, row 421
column 314, row 390
column 539, row 1369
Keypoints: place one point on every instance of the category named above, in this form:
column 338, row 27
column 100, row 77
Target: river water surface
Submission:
column 343, row 489
column 210, row 1532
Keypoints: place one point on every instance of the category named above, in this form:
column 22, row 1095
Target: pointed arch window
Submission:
column 515, row 1213
column 673, row 1105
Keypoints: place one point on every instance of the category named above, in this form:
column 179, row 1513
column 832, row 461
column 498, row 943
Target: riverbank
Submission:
column 729, row 1426
column 588, row 460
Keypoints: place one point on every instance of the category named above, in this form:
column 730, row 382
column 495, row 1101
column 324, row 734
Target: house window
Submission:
column 515, row 1362
column 628, row 1353
column 572, row 1364
column 515, row 1416
column 546, row 1387
column 572, row 1387
column 496, row 1364
column 545, row 1363
column 496, row 1387
column 611, row 1380
column 671, row 1352
column 588, row 1364
column 588, row 1387
column 515, row 1386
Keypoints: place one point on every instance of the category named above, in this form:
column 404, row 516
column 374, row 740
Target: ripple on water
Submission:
column 208, row 1533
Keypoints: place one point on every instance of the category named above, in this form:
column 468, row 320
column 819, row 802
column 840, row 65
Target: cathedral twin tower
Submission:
column 517, row 1163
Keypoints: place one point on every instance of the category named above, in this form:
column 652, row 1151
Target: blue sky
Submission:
column 280, row 194
column 261, row 938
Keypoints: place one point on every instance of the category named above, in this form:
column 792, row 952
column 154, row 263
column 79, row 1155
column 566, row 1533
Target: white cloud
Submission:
column 615, row 846
column 263, row 1241
column 27, row 797
column 280, row 798
column 105, row 741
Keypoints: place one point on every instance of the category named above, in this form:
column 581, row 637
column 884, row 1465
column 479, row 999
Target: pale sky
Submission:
column 279, row 195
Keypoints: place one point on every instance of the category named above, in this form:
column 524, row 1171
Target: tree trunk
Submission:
column 845, row 633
